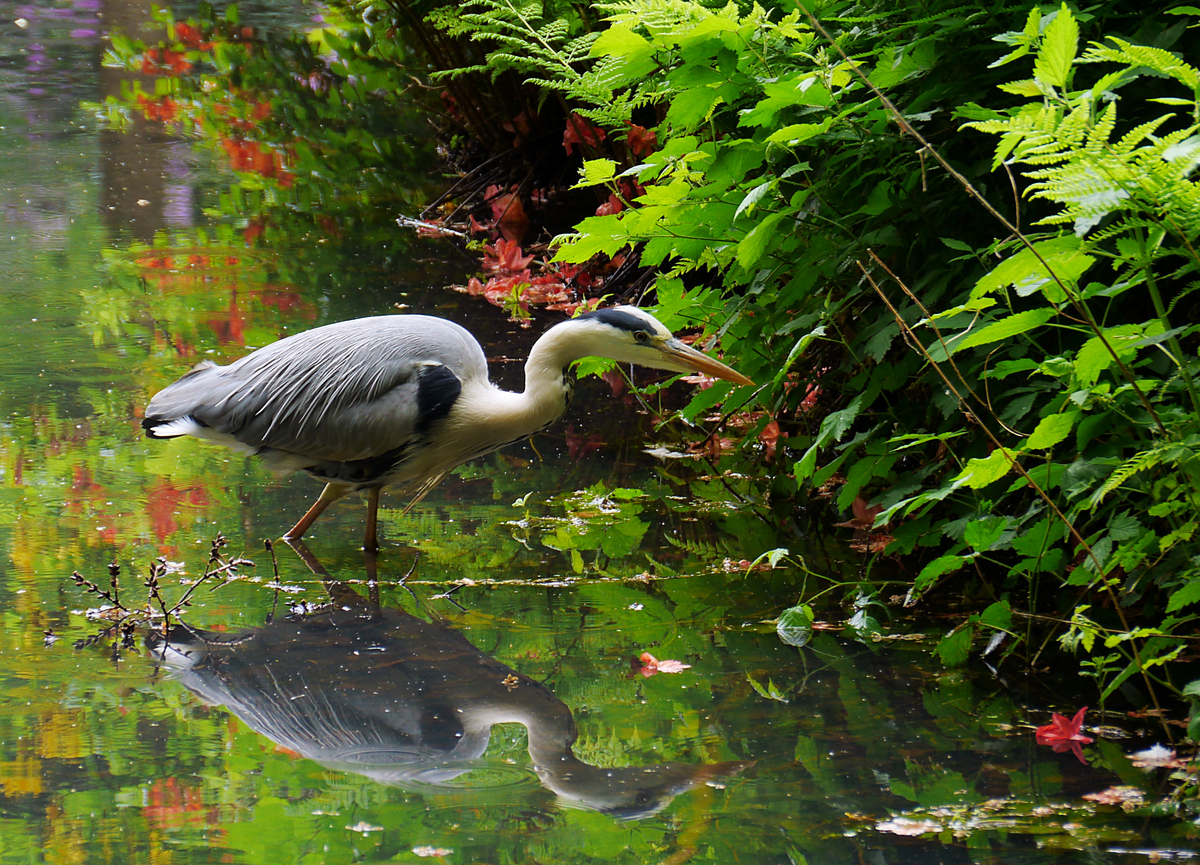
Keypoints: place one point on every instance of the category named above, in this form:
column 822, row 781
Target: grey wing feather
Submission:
column 346, row 391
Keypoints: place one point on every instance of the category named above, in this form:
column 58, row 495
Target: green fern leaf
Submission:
column 1060, row 43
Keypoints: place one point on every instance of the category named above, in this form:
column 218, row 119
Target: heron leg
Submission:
column 329, row 495
column 371, row 541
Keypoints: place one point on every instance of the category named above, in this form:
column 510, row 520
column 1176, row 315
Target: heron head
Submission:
column 631, row 335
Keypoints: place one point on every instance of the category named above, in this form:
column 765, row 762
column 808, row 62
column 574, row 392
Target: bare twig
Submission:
column 908, row 129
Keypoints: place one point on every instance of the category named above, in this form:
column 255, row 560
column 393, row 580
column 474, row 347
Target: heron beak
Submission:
column 683, row 354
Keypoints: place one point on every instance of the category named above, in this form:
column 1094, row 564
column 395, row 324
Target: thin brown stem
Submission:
column 909, row 130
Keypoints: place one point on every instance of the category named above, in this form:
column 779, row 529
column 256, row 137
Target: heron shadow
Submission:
column 359, row 687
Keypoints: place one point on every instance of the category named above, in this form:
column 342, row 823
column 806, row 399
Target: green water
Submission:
column 542, row 574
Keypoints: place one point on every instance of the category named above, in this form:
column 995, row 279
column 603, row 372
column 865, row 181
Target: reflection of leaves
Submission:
column 769, row 691
column 795, row 625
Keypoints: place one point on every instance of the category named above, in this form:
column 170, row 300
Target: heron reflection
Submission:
column 373, row 690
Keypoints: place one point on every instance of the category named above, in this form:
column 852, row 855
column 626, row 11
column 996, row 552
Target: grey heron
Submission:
column 398, row 399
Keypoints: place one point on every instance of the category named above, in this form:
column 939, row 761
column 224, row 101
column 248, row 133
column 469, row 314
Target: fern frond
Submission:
column 1163, row 62
column 1135, row 136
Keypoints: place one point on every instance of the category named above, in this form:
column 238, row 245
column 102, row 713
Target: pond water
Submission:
column 278, row 725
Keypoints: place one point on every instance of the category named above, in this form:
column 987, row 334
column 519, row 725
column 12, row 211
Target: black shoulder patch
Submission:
column 437, row 390
column 619, row 319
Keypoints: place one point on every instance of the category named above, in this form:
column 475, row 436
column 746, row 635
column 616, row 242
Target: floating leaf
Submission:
column 795, row 626
column 769, row 691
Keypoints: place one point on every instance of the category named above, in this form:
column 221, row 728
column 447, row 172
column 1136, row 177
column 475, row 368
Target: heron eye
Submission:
column 640, row 335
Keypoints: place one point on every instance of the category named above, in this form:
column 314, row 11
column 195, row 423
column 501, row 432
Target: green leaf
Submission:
column 620, row 41
column 1182, row 597
column 981, row 472
column 833, row 427
column 1053, row 429
column 980, row 535
column 1060, row 43
column 691, row 107
column 752, row 198
column 798, row 133
column 955, row 646
column 626, row 494
column 1064, row 256
column 596, row 171
column 998, row 616
column 798, row 349
column 751, row 247
column 1006, row 328
column 769, row 691
column 1096, row 355
column 795, row 625
column 938, row 567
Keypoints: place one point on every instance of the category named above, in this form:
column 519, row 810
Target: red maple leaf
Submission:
column 1064, row 735
column 639, row 140
column 505, row 257
column 581, row 131
column 610, row 207
column 651, row 665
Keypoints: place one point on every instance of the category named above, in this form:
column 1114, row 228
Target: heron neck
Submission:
column 546, row 375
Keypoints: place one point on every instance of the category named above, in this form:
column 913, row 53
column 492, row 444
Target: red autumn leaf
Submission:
column 505, row 257
column 581, row 131
column 192, row 37
column 864, row 516
column 615, row 380
column 578, row 446
column 641, row 141
column 610, row 207
column 508, row 212
column 770, row 439
column 651, row 665
column 1063, row 735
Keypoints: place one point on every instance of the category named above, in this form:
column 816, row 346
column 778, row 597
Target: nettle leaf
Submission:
column 998, row 616
column 798, row 133
column 1053, row 429
column 595, row 172
column 1182, row 597
column 786, row 93
column 833, row 427
column 1065, row 257
column 1006, row 328
column 752, row 198
column 751, row 247
column 981, row 472
column 1028, row 87
column 1060, row 43
column 981, row 535
column 940, row 566
column 1095, row 355
column 1045, row 475
column 1005, row 368
column 691, row 107
column 956, row 646
column 798, row 349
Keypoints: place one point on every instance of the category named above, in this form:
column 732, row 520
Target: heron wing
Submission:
column 350, row 391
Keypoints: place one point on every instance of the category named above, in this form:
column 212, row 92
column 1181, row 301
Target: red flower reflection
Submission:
column 1064, row 735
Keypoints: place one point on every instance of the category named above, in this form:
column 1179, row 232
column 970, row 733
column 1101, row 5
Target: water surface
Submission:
column 126, row 260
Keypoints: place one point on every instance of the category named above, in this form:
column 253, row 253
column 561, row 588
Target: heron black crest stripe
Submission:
column 617, row 318
column 437, row 390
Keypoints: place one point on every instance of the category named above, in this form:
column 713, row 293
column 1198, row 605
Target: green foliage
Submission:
column 1045, row 427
